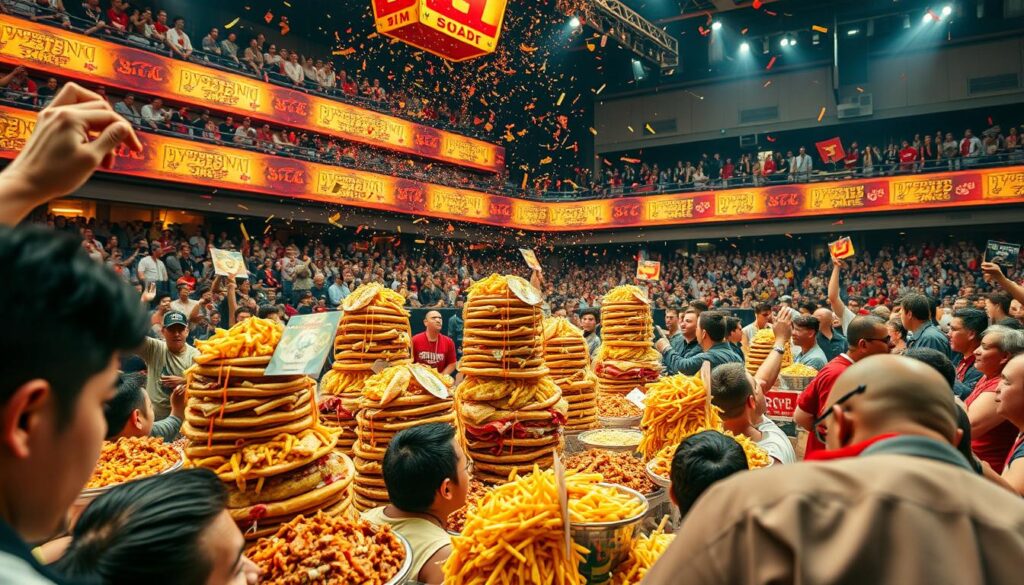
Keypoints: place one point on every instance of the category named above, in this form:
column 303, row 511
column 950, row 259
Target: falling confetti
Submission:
column 268, row 17
column 245, row 234
column 600, row 89
column 649, row 129
column 560, row 99
column 771, row 63
column 819, row 29
column 420, row 220
column 821, row 114
column 232, row 23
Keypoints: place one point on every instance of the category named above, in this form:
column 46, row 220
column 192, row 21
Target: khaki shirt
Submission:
column 878, row 519
column 161, row 362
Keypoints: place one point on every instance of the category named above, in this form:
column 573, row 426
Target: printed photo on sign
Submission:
column 1005, row 254
column 304, row 345
column 841, row 248
column 531, row 259
column 228, row 262
column 648, row 270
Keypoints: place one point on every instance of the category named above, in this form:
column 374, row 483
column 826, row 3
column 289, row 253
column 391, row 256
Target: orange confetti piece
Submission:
column 268, row 17
column 593, row 131
column 546, row 160
column 527, row 48
column 819, row 29
column 821, row 114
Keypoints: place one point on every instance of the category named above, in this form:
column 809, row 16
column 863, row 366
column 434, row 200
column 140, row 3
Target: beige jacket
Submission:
column 878, row 519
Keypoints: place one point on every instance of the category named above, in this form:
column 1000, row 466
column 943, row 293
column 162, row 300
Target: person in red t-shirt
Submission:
column 117, row 17
column 433, row 349
column 992, row 436
column 867, row 336
column 852, row 157
column 908, row 156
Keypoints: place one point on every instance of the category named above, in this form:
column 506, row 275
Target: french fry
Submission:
column 644, row 551
column 675, row 407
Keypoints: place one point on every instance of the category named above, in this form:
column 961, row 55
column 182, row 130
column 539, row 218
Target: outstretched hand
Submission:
column 74, row 135
column 992, row 271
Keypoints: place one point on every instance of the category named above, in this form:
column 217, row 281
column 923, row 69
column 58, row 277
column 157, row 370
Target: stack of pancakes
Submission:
column 627, row 358
column 398, row 398
column 761, row 346
column 260, row 434
column 565, row 354
column 373, row 330
column 510, row 410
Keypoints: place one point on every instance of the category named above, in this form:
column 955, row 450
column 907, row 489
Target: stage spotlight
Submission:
column 716, row 25
column 792, row 41
column 574, row 22
column 853, row 32
column 947, row 10
column 926, row 18
column 784, row 42
column 744, row 47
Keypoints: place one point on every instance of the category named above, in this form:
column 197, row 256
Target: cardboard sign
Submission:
column 637, row 397
column 228, row 262
column 648, row 270
column 563, row 500
column 841, row 248
column 304, row 345
column 1005, row 254
column 531, row 259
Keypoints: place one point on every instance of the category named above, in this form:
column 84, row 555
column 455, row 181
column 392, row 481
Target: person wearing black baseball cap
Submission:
column 166, row 361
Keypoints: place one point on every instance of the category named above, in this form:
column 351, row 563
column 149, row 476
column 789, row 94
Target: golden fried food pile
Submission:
column 627, row 358
column 676, row 407
column 398, row 398
column 457, row 519
column 761, row 347
column 620, row 468
column 644, row 551
column 565, row 353
column 261, row 434
column 511, row 412
column 802, row 370
column 374, row 328
column 328, row 550
column 130, row 458
column 616, row 406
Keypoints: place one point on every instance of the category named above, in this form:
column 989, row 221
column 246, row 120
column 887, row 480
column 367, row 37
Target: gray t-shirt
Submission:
column 814, row 357
column 775, row 442
column 161, row 362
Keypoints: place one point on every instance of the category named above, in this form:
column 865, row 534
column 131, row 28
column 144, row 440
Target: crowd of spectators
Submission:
column 941, row 152
column 312, row 275
column 152, row 28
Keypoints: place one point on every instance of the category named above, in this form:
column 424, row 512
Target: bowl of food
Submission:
column 796, row 377
column 616, row 412
column 611, row 439
column 658, row 471
column 128, row 459
column 608, row 542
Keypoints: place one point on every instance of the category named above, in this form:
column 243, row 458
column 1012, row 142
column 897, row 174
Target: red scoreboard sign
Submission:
column 454, row 29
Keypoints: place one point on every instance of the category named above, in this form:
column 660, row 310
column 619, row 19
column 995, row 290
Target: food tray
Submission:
column 583, row 438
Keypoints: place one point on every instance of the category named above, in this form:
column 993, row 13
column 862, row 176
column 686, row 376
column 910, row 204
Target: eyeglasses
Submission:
column 886, row 340
column 818, row 421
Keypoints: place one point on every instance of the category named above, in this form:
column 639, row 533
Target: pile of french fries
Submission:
column 515, row 536
column 644, row 551
column 252, row 337
column 675, row 407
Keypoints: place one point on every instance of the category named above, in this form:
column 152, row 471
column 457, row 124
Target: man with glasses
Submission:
column 889, row 502
column 867, row 336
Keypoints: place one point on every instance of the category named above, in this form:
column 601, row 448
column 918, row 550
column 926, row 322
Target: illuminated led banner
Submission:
column 454, row 29
column 96, row 61
column 196, row 163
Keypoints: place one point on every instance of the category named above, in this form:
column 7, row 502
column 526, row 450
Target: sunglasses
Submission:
column 821, row 419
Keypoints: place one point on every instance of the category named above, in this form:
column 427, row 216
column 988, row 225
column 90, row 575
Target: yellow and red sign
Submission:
column 59, row 52
column 454, row 29
column 648, row 270
column 185, row 161
column 841, row 248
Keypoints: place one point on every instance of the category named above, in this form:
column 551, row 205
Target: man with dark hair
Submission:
column 807, row 307
column 868, row 336
column 891, row 475
column 711, row 330
column 130, row 412
column 997, row 306
column 674, row 329
column 829, row 339
column 432, row 348
column 699, row 306
column 964, row 338
column 732, row 391
column 61, row 359
column 917, row 316
column 805, row 338
column 589, row 320
column 166, row 361
column 270, row 312
column 734, row 335
column 762, row 319
column 701, row 460
column 427, row 477
column 172, row 529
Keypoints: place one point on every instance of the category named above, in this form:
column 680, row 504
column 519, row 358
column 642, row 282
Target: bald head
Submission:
column 825, row 318
column 432, row 322
column 901, row 396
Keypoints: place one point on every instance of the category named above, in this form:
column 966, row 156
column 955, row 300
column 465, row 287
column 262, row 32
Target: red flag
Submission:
column 831, row 150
